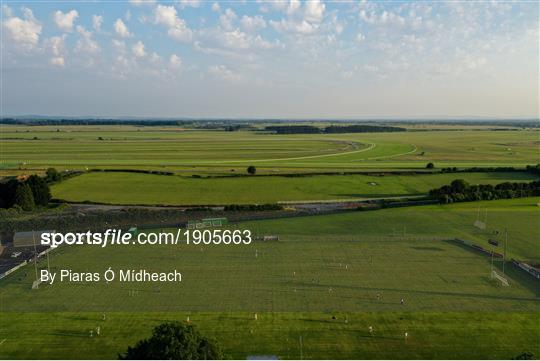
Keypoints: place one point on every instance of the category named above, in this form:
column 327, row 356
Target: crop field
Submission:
column 222, row 152
column 134, row 188
column 323, row 271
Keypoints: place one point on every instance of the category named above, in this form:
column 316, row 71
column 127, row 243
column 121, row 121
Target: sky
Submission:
column 270, row 59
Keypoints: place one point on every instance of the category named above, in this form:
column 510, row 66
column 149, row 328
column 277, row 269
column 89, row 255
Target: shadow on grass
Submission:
column 512, row 272
column 72, row 333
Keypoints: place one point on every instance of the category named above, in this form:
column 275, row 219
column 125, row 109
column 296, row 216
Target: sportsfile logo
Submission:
column 119, row 237
column 109, row 237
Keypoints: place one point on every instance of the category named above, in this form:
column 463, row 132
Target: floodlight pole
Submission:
column 505, row 246
column 35, row 258
column 301, row 352
column 48, row 263
column 491, row 275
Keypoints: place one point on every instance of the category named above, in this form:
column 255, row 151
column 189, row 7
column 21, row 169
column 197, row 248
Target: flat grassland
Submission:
column 315, row 291
column 149, row 189
column 322, row 267
column 175, row 149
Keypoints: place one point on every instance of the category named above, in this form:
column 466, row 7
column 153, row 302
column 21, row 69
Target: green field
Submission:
column 133, row 188
column 433, row 335
column 402, row 251
column 326, row 280
column 299, row 276
column 220, row 152
column 519, row 216
column 322, row 266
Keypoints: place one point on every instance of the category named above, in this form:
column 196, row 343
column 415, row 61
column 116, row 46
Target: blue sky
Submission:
column 299, row 59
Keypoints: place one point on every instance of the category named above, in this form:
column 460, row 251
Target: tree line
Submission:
column 461, row 191
column 28, row 193
column 332, row 129
column 534, row 169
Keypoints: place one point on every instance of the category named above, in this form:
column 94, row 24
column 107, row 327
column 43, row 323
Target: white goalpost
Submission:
column 500, row 278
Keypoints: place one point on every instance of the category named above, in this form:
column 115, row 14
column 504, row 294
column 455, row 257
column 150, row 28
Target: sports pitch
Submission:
column 323, row 271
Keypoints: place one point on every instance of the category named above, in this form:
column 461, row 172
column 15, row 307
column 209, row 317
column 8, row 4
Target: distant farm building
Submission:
column 207, row 222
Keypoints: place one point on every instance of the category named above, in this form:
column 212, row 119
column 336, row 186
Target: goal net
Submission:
column 500, row 278
column 479, row 224
column 35, row 284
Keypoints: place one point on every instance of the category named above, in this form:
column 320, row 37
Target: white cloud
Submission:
column 178, row 29
column 142, row 2
column 302, row 20
column 24, row 32
column 360, row 37
column 175, row 61
column 216, row 7
column 121, row 29
column 251, row 23
column 314, row 11
column 386, row 17
column 65, row 21
column 56, row 46
column 227, row 19
column 155, row 58
column 119, row 46
column 291, row 26
column 97, row 21
column 289, row 7
column 86, row 43
column 237, row 39
column 190, row 3
column 58, row 61
column 138, row 49
column 223, row 72
column 165, row 15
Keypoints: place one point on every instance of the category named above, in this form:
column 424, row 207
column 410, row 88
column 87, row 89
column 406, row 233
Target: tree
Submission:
column 251, row 170
column 24, row 198
column 174, row 340
column 40, row 190
column 430, row 165
column 53, row 175
column 459, row 185
column 7, row 192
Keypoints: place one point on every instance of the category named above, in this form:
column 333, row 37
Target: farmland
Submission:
column 327, row 279
column 218, row 152
column 133, row 188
